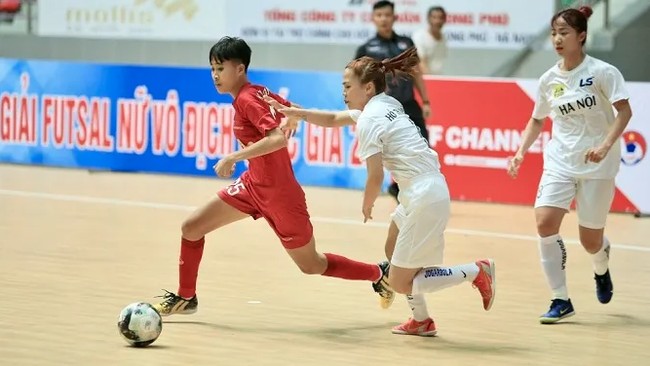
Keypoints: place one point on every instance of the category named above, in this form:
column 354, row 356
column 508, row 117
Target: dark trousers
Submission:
column 414, row 111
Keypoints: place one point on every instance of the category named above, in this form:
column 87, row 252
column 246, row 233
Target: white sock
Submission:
column 553, row 255
column 418, row 306
column 436, row 278
column 601, row 258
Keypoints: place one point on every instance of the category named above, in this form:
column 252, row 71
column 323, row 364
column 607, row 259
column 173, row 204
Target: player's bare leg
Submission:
column 386, row 299
column 420, row 323
column 211, row 216
column 311, row 261
column 415, row 282
column 596, row 244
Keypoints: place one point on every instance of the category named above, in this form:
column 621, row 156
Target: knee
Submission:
column 311, row 268
column 591, row 244
column 190, row 231
column 547, row 226
column 312, row 265
column 401, row 286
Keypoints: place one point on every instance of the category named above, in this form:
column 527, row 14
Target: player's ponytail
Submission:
column 404, row 63
column 369, row 70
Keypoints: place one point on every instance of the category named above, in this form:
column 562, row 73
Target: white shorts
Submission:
column 421, row 217
column 593, row 197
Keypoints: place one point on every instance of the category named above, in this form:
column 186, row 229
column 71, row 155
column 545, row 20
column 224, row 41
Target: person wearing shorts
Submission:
column 581, row 160
column 268, row 189
column 389, row 139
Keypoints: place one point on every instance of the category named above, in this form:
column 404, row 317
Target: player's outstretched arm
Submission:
column 325, row 118
column 313, row 116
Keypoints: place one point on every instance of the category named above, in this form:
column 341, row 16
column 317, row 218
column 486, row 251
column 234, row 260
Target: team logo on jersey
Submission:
column 263, row 93
column 634, row 148
column 558, row 90
column 586, row 82
column 402, row 45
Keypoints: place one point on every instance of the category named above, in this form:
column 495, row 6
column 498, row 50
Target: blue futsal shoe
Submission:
column 604, row 287
column 560, row 309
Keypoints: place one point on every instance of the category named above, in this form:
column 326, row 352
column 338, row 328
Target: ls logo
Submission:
column 586, row 82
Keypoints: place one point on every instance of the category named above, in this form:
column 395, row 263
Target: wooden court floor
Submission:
column 75, row 247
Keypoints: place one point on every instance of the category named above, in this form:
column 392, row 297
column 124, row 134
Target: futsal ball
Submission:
column 139, row 324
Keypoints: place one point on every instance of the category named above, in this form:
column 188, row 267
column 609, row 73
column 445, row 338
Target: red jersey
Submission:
column 253, row 119
column 269, row 187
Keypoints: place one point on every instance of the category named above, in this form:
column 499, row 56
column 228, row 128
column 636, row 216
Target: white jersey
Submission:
column 430, row 49
column 580, row 103
column 383, row 127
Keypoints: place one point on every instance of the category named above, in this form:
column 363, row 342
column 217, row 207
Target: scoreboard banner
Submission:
column 170, row 120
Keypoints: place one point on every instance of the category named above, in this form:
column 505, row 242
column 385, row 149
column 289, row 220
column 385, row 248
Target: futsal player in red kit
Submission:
column 267, row 189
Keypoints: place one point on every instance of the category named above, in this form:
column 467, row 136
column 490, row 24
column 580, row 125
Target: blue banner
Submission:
column 157, row 119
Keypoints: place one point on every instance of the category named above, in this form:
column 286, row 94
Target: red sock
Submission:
column 188, row 266
column 341, row 267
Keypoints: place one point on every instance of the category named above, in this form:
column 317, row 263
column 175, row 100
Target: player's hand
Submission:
column 273, row 103
column 596, row 154
column 367, row 213
column 224, row 167
column 286, row 111
column 289, row 124
column 426, row 110
column 514, row 163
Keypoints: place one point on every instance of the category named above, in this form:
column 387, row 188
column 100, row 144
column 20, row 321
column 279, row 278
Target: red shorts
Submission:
column 287, row 215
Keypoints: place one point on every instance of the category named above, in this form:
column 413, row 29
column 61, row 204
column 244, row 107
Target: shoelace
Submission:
column 169, row 298
column 556, row 303
column 382, row 289
column 478, row 284
column 601, row 280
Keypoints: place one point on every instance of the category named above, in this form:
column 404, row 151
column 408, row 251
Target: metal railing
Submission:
column 20, row 22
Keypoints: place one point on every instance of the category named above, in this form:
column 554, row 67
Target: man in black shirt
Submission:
column 387, row 44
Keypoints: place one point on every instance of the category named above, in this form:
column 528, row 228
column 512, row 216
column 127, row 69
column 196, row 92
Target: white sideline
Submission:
column 327, row 220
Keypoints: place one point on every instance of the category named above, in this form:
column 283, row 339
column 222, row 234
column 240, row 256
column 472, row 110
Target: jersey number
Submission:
column 235, row 188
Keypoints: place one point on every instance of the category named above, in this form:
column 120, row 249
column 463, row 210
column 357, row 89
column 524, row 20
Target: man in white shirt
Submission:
column 431, row 43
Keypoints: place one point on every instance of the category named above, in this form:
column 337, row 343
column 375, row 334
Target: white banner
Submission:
column 508, row 24
column 633, row 179
column 133, row 19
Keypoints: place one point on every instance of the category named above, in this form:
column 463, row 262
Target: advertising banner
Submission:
column 171, row 120
column 470, row 23
column 132, row 19
column 156, row 119
column 477, row 124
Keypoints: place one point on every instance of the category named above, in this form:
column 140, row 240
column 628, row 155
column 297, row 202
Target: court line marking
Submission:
column 326, row 220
